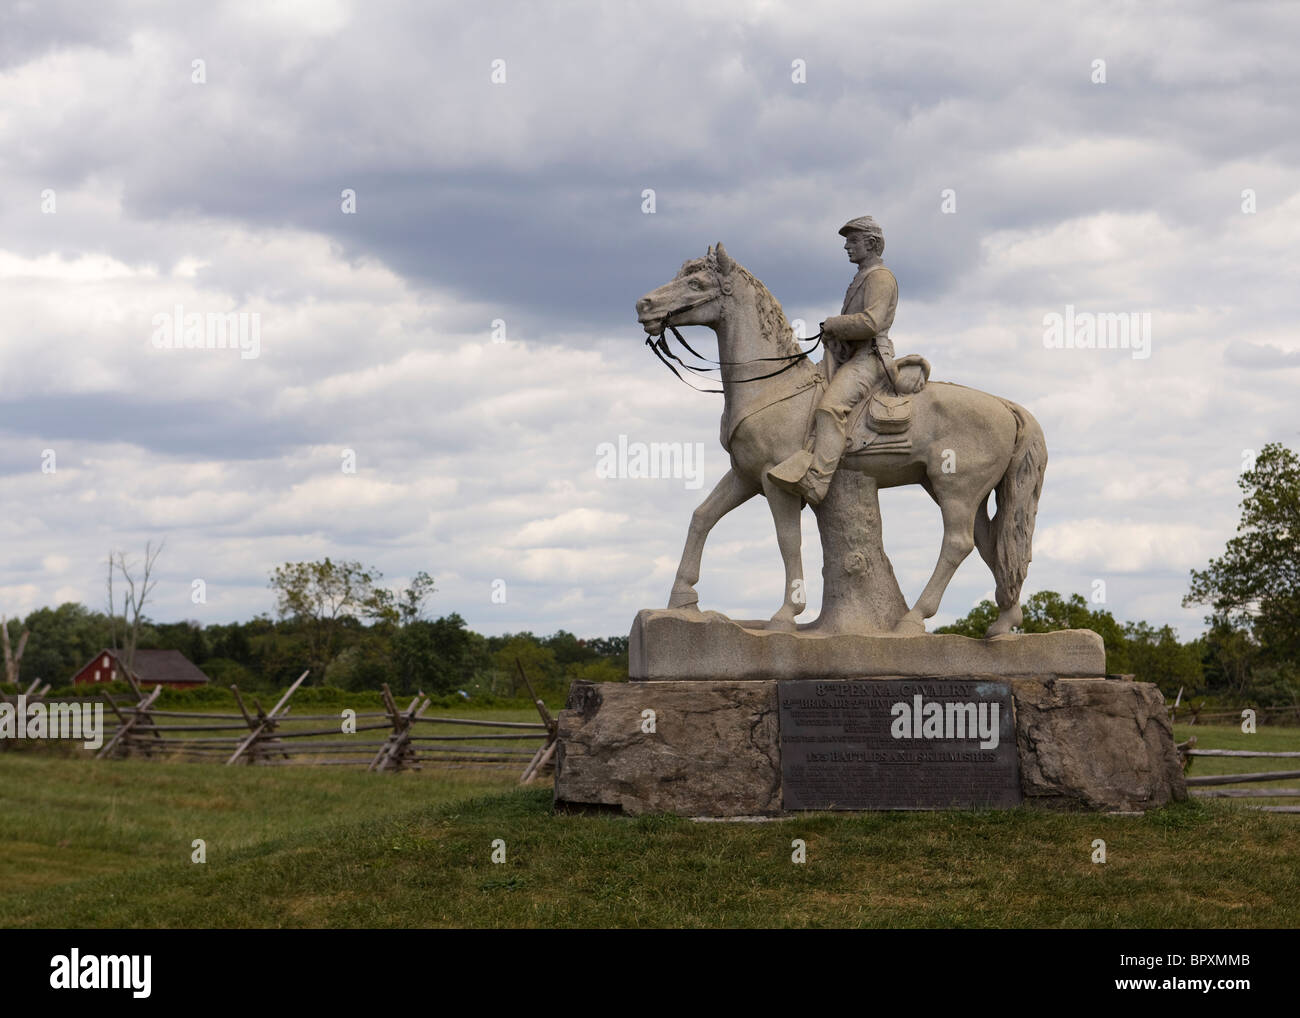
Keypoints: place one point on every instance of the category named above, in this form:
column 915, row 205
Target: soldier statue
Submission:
column 788, row 430
column 860, row 356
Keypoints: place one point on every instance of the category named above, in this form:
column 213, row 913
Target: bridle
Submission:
column 661, row 349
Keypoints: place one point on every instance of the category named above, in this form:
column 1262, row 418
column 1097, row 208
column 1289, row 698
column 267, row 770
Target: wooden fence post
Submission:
column 127, row 732
column 543, row 756
column 268, row 721
column 397, row 753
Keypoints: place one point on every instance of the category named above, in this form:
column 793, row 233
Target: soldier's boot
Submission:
column 809, row 474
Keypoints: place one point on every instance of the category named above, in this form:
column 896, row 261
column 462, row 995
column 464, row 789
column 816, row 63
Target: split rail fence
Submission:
column 1187, row 714
column 1203, row 786
column 33, row 694
column 410, row 738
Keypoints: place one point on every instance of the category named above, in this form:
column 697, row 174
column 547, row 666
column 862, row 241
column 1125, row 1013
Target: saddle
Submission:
column 881, row 420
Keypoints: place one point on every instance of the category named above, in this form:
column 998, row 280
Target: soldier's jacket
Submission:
column 868, row 313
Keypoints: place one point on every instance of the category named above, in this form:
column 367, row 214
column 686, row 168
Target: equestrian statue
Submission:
column 790, row 426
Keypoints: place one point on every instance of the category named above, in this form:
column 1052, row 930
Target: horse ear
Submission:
column 725, row 263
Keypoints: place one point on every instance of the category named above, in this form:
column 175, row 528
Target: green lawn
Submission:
column 107, row 844
column 65, row 819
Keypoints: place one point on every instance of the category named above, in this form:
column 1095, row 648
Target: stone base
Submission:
column 670, row 645
column 712, row 748
column 1095, row 744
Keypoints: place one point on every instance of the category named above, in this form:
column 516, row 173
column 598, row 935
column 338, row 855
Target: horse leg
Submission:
column 984, row 532
column 786, row 509
column 731, row 491
column 958, row 541
column 1009, row 616
column 1009, row 612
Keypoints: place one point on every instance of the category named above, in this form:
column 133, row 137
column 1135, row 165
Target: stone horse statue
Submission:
column 964, row 444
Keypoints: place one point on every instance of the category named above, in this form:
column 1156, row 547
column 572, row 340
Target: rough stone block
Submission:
column 714, row 751
column 1095, row 744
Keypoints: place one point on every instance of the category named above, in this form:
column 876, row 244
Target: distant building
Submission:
column 168, row 668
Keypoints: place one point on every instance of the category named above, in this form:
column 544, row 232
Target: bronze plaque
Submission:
column 898, row 744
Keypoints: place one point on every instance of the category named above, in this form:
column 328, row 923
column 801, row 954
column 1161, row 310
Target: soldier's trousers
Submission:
column 853, row 382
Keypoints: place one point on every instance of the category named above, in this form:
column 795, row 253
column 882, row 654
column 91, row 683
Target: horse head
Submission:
column 692, row 297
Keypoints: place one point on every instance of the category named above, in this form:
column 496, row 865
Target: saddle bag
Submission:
column 888, row 415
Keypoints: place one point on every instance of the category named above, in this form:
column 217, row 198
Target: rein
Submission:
column 663, row 352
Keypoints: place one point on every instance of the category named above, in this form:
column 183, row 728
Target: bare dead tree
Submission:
column 13, row 662
column 135, row 597
column 112, row 608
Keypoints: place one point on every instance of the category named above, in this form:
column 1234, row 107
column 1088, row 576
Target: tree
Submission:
column 188, row 637
column 975, row 623
column 231, row 642
column 365, row 664
column 225, row 672
column 63, row 639
column 568, row 648
column 13, row 661
column 1154, row 655
column 1255, row 584
column 602, row 669
column 1044, row 612
column 538, row 662
column 410, row 605
column 327, row 598
column 1047, row 612
column 1227, row 657
column 134, row 598
column 433, row 656
column 609, row 646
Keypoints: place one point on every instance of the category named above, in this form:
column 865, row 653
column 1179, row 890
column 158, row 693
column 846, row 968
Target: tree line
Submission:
column 338, row 620
column 439, row 656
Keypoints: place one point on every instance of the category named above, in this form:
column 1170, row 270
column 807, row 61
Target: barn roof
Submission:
column 166, row 666
column 157, row 666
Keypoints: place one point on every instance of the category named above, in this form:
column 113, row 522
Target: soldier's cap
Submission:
column 864, row 223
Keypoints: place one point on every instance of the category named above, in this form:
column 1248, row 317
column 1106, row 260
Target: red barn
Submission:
column 168, row 668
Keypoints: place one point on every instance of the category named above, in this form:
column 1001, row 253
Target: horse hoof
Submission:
column 910, row 624
column 1005, row 622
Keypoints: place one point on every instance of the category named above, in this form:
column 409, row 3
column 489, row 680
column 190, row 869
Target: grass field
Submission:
column 108, row 844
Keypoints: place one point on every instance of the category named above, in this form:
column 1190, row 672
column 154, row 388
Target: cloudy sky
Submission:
column 1113, row 157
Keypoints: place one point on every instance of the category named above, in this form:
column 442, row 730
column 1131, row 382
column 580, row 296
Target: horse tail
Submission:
column 1012, row 526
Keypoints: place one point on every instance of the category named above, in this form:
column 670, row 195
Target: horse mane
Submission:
column 772, row 322
column 776, row 329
